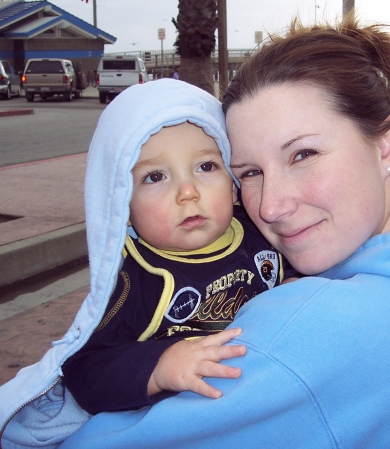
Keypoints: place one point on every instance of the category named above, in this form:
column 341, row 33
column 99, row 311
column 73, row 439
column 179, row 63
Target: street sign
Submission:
column 258, row 37
column 161, row 34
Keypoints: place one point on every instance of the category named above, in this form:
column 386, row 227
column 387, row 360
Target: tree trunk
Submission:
column 196, row 25
column 198, row 71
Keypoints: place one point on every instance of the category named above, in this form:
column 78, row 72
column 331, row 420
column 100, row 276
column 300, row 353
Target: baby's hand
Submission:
column 184, row 364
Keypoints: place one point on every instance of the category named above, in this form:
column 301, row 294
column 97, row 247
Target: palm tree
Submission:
column 196, row 24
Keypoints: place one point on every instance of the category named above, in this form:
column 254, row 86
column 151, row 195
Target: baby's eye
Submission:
column 207, row 166
column 154, row 177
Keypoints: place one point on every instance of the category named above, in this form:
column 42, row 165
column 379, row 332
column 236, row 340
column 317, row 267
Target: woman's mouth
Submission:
column 296, row 235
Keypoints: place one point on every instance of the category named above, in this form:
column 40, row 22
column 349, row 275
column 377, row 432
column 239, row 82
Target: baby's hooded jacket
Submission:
column 51, row 414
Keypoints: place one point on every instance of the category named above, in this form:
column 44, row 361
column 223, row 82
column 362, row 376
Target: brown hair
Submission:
column 351, row 63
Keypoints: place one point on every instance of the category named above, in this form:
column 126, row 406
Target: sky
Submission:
column 135, row 23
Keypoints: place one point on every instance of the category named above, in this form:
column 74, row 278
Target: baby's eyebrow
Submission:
column 145, row 163
column 211, row 151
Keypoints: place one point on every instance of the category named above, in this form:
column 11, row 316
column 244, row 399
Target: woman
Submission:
column 307, row 117
column 308, row 120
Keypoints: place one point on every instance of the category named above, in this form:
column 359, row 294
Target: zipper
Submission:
column 26, row 403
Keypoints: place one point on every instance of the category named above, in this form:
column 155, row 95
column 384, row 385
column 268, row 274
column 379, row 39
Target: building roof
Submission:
column 22, row 19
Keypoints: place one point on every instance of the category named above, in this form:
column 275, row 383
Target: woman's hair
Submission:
column 350, row 63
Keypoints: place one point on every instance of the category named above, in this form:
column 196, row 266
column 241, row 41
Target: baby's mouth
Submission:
column 189, row 219
column 194, row 221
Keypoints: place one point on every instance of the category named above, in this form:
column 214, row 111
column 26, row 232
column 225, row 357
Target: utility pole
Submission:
column 94, row 14
column 348, row 7
column 161, row 36
column 222, row 47
column 315, row 10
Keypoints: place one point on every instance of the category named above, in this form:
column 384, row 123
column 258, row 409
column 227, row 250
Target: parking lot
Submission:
column 55, row 128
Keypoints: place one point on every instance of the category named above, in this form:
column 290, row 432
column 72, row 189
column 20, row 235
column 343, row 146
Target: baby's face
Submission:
column 183, row 195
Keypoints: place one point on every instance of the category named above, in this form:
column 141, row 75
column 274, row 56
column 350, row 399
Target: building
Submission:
column 39, row 29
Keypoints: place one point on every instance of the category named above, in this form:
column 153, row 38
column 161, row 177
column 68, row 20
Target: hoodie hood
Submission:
column 125, row 125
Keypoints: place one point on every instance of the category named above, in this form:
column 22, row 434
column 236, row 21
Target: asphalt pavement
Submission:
column 42, row 227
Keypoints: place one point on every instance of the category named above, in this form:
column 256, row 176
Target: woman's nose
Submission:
column 187, row 191
column 277, row 200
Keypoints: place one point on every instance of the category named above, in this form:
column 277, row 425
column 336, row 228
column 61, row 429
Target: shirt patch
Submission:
column 183, row 305
column 267, row 262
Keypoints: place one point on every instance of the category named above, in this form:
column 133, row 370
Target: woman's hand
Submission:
column 184, row 364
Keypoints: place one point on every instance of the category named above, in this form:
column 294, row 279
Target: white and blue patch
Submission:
column 267, row 263
column 183, row 305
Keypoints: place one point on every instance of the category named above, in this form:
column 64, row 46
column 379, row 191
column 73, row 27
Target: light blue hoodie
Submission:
column 316, row 374
column 125, row 125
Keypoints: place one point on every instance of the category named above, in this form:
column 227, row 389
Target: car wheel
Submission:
column 69, row 95
column 29, row 97
column 102, row 97
column 7, row 96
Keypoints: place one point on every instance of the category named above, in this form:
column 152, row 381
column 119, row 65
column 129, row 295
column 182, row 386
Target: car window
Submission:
column 118, row 64
column 45, row 67
column 69, row 68
column 7, row 68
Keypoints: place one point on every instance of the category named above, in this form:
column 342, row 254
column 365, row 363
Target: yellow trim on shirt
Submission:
column 230, row 240
column 169, row 285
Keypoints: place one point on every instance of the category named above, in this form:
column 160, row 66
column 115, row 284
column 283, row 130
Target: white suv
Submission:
column 118, row 71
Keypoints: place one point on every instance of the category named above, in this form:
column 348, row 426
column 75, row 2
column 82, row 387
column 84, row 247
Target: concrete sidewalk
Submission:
column 41, row 212
column 42, row 226
column 41, row 216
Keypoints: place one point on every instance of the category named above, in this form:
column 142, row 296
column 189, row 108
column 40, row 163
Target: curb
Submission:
column 36, row 255
column 12, row 112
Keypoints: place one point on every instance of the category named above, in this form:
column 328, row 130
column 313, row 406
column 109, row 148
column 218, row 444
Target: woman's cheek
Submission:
column 251, row 198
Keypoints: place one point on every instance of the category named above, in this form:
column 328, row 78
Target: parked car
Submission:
column 52, row 76
column 117, row 72
column 9, row 80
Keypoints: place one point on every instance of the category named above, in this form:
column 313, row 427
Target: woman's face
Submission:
column 311, row 183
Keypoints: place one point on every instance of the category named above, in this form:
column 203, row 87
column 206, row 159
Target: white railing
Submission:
column 153, row 58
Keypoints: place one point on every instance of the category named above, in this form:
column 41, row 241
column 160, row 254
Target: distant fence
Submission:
column 164, row 62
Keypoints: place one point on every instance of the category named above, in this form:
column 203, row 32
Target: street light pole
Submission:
column 348, row 7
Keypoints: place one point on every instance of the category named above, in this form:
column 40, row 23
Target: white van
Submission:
column 118, row 71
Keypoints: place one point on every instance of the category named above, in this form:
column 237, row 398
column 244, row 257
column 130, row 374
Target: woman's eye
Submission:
column 207, row 166
column 250, row 174
column 304, row 154
column 154, row 177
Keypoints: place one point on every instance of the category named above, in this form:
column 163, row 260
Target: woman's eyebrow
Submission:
column 295, row 139
column 238, row 165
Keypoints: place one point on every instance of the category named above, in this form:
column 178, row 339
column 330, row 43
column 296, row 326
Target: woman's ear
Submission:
column 384, row 147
